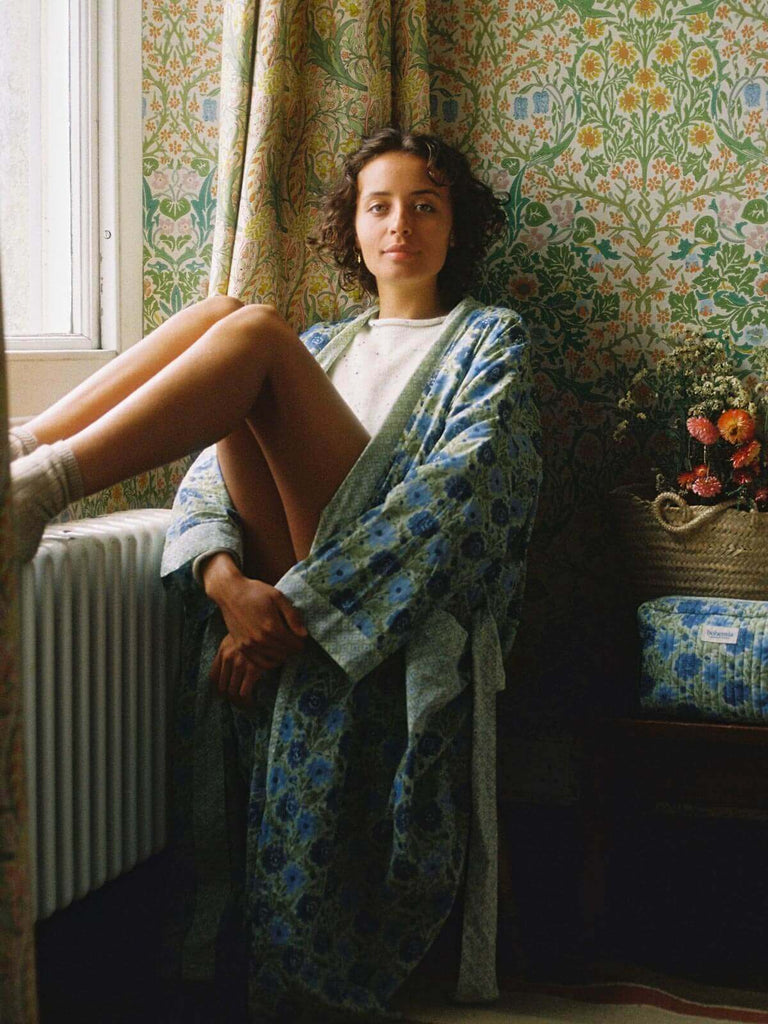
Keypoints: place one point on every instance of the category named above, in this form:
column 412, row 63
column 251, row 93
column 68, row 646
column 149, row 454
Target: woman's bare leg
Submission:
column 249, row 366
column 123, row 375
column 267, row 540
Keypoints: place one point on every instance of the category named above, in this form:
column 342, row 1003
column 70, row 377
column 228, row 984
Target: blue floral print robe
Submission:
column 369, row 759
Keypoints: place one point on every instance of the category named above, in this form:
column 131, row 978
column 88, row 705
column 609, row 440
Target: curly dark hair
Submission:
column 477, row 214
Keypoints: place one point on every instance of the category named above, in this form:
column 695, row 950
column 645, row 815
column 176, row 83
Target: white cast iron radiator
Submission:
column 99, row 653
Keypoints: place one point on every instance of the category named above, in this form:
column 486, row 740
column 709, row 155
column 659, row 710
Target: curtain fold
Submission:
column 302, row 81
column 18, row 999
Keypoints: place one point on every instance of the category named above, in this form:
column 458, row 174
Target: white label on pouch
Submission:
column 720, row 634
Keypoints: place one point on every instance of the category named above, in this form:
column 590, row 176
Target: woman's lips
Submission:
column 399, row 252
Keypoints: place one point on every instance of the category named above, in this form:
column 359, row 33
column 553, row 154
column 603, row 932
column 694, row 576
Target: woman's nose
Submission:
column 400, row 222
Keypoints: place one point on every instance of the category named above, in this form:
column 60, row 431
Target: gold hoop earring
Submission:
column 359, row 259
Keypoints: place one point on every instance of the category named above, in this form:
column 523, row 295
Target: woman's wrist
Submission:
column 218, row 573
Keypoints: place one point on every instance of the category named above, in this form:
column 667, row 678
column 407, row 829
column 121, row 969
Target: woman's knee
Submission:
column 218, row 307
column 259, row 323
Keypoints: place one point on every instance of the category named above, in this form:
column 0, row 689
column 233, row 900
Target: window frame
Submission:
column 39, row 376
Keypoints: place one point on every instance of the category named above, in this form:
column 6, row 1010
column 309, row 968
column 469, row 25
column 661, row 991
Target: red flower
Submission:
column 707, row 486
column 685, row 480
column 746, row 455
column 761, row 498
column 736, row 426
column 702, row 429
column 745, row 475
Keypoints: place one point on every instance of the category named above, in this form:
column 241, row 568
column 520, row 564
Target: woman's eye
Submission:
column 376, row 208
column 425, row 208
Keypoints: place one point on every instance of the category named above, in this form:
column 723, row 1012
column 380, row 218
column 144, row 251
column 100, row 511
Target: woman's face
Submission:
column 403, row 221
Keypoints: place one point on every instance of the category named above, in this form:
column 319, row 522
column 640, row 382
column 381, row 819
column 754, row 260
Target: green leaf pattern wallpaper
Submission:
column 629, row 141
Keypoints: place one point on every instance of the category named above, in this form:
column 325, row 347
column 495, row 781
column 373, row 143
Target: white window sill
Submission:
column 37, row 379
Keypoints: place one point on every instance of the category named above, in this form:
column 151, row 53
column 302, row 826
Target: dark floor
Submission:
column 688, row 898
column 98, row 959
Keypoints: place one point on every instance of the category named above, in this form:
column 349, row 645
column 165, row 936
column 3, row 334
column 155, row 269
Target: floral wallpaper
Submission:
column 181, row 68
column 631, row 144
column 629, row 141
column 181, row 58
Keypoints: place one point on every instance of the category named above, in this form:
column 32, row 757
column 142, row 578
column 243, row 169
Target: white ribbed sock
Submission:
column 21, row 442
column 42, row 485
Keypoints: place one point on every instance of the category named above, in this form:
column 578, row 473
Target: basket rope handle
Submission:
column 662, row 502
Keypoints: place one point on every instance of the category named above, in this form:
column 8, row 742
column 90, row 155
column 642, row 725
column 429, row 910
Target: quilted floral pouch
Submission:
column 705, row 657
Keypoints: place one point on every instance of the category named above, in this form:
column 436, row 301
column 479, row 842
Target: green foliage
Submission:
column 705, row 229
column 535, row 214
column 756, row 211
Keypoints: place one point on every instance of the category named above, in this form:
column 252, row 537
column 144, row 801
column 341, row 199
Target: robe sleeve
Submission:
column 454, row 529
column 204, row 522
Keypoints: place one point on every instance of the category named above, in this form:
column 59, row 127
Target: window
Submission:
column 70, row 228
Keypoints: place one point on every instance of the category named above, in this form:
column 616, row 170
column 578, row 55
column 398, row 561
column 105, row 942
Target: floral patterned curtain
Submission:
column 302, row 80
column 18, row 1001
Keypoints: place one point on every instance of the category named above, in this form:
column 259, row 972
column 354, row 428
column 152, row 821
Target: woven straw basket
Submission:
column 670, row 547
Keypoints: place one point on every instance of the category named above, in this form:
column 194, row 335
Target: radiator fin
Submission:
column 99, row 655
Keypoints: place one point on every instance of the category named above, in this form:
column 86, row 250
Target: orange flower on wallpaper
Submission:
column 591, row 65
column 736, row 426
column 660, row 100
column 668, row 52
column 698, row 23
column 645, row 78
column 629, row 101
column 589, row 136
column 700, row 62
column 623, row 53
column 644, row 8
column 524, row 287
column 701, row 134
column 594, row 28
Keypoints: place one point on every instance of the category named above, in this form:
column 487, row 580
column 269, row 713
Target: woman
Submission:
column 370, row 547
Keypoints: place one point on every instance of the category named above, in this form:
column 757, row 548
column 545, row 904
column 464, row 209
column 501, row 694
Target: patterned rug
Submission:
column 627, row 984
column 619, row 987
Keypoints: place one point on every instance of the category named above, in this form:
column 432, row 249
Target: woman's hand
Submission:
column 233, row 674
column 263, row 624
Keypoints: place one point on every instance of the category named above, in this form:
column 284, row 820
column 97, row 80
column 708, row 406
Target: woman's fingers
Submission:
column 225, row 664
column 242, row 671
column 290, row 614
column 249, row 680
column 224, row 671
column 234, row 672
